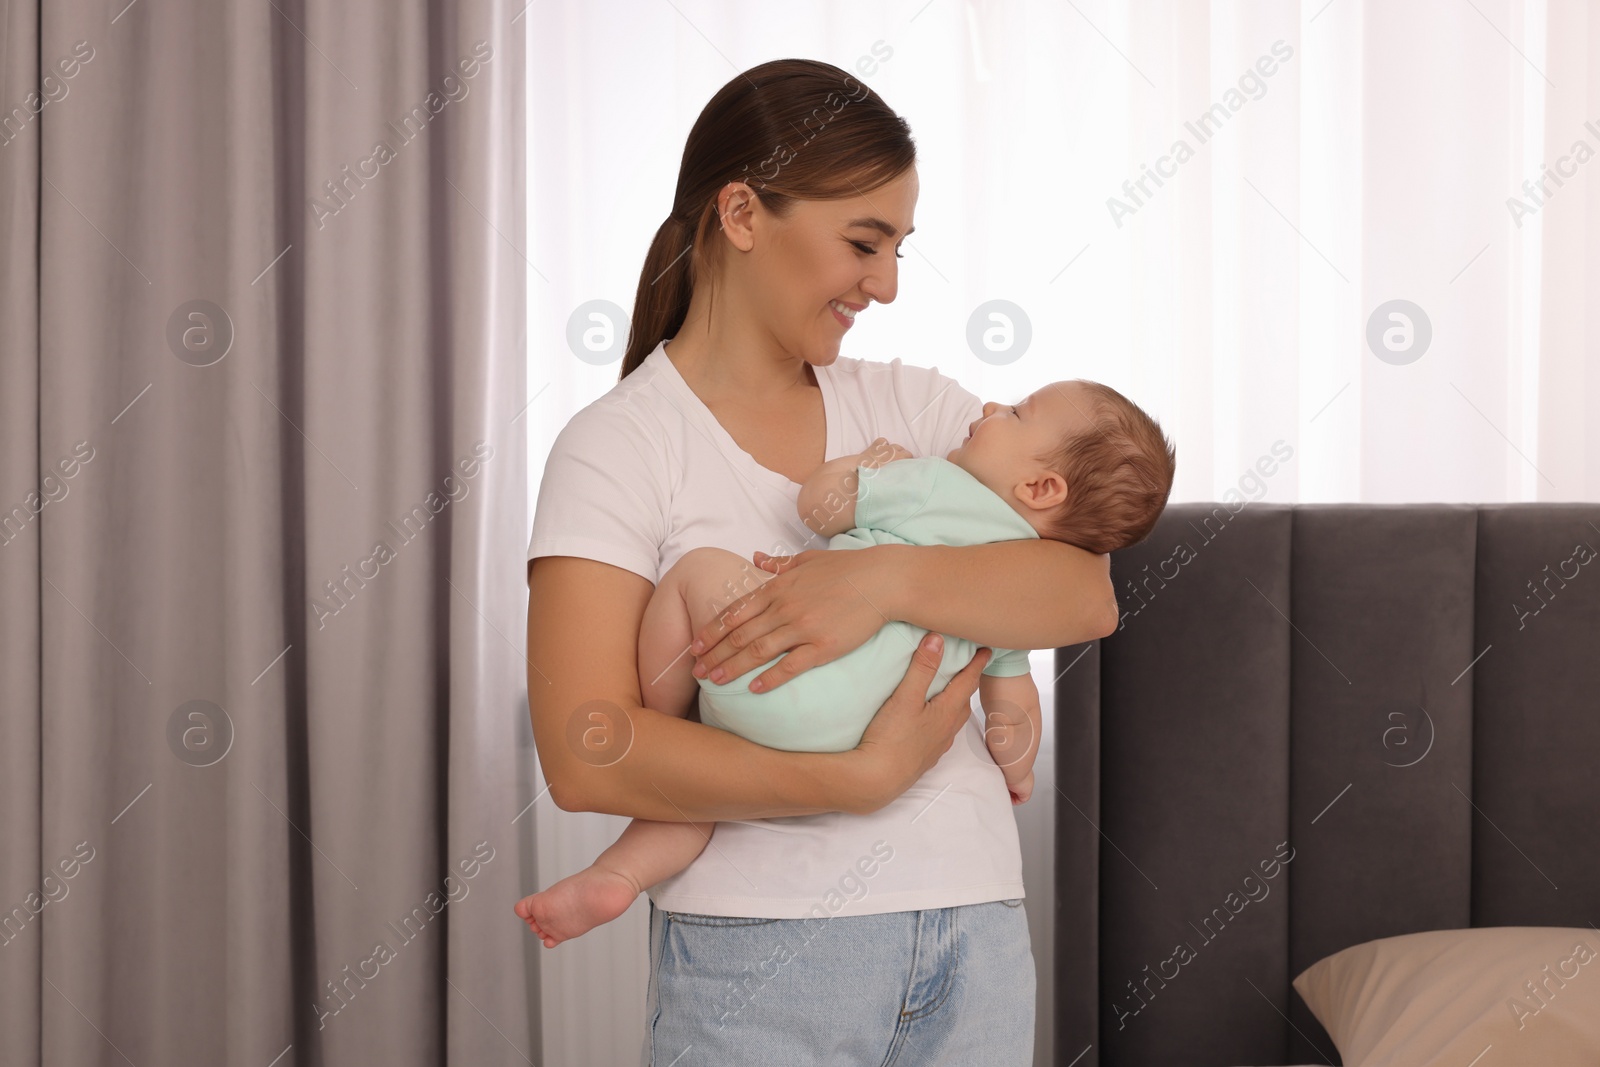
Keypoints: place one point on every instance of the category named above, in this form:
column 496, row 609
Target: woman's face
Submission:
column 828, row 260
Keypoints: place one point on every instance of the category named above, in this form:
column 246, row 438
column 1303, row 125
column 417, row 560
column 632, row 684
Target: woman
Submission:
column 854, row 907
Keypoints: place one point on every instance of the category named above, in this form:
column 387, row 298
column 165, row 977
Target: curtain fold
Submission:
column 262, row 518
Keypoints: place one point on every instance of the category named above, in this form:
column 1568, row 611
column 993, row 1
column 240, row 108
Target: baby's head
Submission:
column 1077, row 459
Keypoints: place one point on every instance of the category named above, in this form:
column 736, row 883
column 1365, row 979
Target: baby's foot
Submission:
column 577, row 904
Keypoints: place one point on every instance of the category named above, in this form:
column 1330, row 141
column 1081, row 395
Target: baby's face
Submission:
column 1002, row 447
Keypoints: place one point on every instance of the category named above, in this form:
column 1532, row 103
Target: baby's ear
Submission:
column 1049, row 490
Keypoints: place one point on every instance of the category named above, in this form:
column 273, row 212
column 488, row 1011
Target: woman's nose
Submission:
column 882, row 284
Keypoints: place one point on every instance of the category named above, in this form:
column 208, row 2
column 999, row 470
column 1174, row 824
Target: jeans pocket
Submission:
column 692, row 919
column 1014, row 902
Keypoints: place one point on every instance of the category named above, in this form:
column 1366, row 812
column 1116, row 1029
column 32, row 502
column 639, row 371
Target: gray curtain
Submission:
column 263, row 729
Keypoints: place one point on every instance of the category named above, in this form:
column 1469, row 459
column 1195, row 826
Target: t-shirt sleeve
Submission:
column 937, row 408
column 890, row 495
column 1007, row 663
column 604, row 494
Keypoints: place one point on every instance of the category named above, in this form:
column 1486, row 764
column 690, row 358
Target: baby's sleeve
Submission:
column 1007, row 663
column 890, row 495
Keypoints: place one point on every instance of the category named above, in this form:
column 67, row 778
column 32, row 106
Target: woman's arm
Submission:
column 1027, row 593
column 601, row 749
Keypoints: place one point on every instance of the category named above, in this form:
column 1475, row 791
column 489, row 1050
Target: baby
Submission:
column 1075, row 461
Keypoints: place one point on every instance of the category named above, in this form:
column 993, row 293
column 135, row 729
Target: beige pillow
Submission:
column 1497, row 996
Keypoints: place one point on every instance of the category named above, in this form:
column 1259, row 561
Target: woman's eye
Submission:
column 862, row 246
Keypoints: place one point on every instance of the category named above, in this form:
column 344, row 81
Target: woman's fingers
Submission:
column 925, row 660
column 927, row 657
column 913, row 688
column 958, row 691
column 955, row 699
column 799, row 658
column 766, row 644
column 734, row 655
column 898, row 745
column 949, row 707
column 711, row 645
column 780, row 564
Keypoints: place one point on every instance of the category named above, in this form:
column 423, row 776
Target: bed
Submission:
column 1317, row 726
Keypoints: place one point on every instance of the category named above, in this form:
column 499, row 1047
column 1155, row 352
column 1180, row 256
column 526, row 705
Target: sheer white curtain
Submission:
column 1214, row 207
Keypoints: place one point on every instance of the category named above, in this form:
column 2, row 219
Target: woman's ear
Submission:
column 736, row 207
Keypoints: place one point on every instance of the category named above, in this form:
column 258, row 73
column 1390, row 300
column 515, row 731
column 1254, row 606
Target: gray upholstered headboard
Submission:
column 1409, row 696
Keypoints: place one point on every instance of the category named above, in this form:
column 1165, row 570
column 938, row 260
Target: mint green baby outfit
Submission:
column 924, row 501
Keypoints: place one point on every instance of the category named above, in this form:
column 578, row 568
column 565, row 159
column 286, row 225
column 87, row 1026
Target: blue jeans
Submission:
column 898, row 989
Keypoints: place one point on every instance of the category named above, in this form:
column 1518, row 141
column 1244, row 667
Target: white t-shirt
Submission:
column 645, row 473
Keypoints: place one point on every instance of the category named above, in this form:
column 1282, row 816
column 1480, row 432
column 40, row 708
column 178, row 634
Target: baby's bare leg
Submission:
column 643, row 855
column 689, row 595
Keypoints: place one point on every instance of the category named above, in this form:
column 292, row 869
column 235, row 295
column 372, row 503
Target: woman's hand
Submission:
column 821, row 605
column 909, row 733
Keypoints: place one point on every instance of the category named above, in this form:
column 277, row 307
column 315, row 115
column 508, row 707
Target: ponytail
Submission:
column 665, row 285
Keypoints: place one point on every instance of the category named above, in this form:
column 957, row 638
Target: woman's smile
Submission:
column 845, row 313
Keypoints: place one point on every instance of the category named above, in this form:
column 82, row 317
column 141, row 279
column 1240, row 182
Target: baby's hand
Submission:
column 881, row 451
column 1022, row 790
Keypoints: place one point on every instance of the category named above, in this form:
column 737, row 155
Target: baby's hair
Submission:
column 1118, row 474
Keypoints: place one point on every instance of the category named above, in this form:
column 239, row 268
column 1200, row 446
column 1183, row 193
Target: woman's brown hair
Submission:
column 791, row 129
